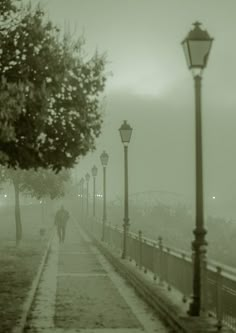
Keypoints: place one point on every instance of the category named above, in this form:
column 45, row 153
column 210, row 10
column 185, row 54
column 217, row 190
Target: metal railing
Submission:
column 173, row 269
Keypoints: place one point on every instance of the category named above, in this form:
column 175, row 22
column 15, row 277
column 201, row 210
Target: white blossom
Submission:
column 42, row 137
column 36, row 49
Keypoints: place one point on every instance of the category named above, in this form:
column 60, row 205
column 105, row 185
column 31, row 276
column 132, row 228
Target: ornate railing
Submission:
column 173, row 269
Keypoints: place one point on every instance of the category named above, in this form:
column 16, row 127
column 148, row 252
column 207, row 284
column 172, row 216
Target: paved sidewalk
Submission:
column 81, row 292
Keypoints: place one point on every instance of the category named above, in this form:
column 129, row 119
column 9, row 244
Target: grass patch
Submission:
column 18, row 265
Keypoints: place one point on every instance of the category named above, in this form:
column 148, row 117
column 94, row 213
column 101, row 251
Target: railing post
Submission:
column 184, row 299
column 136, row 250
column 144, row 248
column 154, row 260
column 92, row 221
column 116, row 236
column 105, row 234
column 110, row 235
column 140, row 248
column 160, row 245
column 219, row 305
column 167, row 269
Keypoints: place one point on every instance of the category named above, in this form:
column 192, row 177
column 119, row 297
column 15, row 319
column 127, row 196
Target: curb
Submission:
column 30, row 297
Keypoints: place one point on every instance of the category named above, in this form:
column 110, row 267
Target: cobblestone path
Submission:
column 81, row 292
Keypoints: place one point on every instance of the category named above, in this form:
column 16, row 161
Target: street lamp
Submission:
column 197, row 46
column 125, row 134
column 94, row 174
column 104, row 160
column 87, row 177
column 81, row 183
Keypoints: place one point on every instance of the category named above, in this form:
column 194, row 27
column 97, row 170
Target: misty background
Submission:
column 151, row 87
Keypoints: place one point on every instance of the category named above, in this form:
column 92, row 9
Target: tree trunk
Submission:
column 17, row 212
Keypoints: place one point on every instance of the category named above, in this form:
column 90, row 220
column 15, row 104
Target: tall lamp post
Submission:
column 82, row 198
column 94, row 174
column 87, row 177
column 104, row 160
column 125, row 134
column 197, row 46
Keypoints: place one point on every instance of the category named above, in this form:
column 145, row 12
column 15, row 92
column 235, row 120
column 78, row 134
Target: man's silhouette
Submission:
column 61, row 218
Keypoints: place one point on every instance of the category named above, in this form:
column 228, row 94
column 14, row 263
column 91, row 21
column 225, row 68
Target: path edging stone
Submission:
column 19, row 328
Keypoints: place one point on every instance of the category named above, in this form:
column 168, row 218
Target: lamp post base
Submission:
column 103, row 236
column 194, row 308
column 125, row 234
column 103, row 232
column 123, row 256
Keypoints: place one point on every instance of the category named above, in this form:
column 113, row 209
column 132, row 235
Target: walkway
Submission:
column 81, row 292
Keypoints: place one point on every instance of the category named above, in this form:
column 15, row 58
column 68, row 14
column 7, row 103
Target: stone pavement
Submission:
column 81, row 292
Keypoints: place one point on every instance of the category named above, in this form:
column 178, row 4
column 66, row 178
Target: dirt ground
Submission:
column 18, row 265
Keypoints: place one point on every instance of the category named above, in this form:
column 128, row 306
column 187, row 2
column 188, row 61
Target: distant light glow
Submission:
column 5, row 195
column 213, row 197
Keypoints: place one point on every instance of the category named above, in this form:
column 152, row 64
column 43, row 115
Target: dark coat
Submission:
column 61, row 217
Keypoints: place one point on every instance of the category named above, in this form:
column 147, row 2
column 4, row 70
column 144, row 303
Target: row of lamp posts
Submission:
column 81, row 185
column 196, row 47
column 125, row 134
column 104, row 160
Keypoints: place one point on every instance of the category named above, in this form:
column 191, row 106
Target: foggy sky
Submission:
column 152, row 89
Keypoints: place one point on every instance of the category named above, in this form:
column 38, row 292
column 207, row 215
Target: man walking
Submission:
column 61, row 218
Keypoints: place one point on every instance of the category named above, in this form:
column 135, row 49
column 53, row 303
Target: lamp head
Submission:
column 94, row 171
column 197, row 46
column 87, row 176
column 125, row 132
column 104, row 158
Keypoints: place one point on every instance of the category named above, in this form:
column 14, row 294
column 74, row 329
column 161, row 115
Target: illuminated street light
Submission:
column 81, row 184
column 87, row 177
column 94, row 174
column 125, row 134
column 197, row 46
column 104, row 160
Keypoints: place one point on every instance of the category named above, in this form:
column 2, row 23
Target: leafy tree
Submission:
column 49, row 92
column 44, row 183
column 38, row 184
